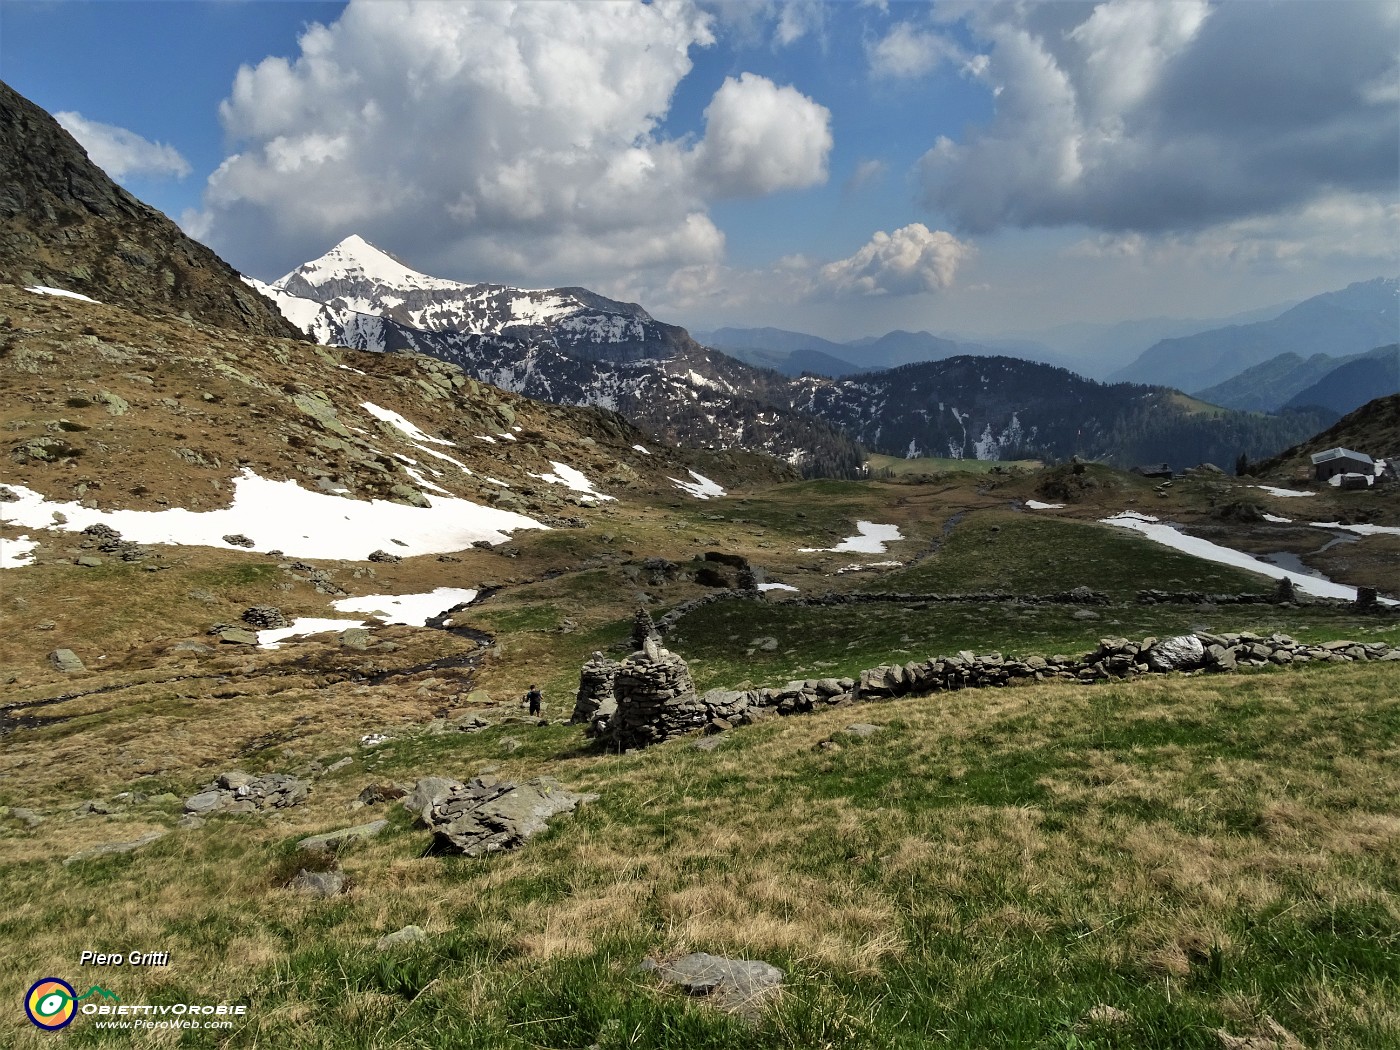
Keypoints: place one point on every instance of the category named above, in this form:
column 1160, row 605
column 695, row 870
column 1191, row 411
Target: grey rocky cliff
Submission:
column 65, row 224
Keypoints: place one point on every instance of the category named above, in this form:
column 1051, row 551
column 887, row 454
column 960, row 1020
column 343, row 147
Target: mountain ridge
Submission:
column 113, row 247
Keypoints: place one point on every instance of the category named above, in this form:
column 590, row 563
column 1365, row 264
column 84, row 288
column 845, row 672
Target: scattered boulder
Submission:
column 385, row 557
column 333, row 840
column 376, row 793
column 733, row 984
column 27, row 817
column 485, row 815
column 237, row 539
column 238, row 792
column 1176, row 654
column 864, row 730
column 318, row 883
column 237, row 636
column 354, row 638
column 109, row 848
column 407, row 935
column 66, row 660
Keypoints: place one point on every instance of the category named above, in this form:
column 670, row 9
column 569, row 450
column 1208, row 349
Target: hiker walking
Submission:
column 535, row 699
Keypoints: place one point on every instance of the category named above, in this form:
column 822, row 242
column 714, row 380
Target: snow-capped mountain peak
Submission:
column 355, row 259
column 356, row 283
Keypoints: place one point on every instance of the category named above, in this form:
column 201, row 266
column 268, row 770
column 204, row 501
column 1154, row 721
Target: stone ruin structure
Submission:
column 649, row 697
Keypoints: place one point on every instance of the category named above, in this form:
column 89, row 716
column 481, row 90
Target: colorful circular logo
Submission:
column 51, row 1004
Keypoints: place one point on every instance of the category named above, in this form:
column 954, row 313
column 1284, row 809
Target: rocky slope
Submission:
column 118, row 411
column 65, row 224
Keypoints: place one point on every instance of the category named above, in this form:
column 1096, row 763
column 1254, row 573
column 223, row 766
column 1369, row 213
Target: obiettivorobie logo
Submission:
column 52, row 1004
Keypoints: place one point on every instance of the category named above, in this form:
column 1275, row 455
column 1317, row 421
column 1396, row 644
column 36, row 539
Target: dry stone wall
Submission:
column 656, row 698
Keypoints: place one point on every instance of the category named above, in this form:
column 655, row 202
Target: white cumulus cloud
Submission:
column 122, row 153
column 500, row 140
column 911, row 260
column 907, row 51
column 1171, row 115
column 761, row 137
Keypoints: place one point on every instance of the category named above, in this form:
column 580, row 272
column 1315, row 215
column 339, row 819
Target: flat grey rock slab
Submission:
column 735, row 984
column 486, row 816
column 109, row 848
column 318, row 883
column 334, row 839
column 407, row 935
column 66, row 660
column 861, row 729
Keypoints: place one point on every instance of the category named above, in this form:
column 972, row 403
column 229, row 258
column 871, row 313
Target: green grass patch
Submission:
column 1038, row 554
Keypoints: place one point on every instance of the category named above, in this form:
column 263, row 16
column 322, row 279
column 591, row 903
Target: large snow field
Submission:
column 281, row 515
column 415, row 610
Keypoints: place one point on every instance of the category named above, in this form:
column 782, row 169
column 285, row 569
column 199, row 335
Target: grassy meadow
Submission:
column 1118, row 865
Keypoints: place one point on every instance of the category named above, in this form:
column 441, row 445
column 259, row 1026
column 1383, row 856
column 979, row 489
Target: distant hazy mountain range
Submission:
column 793, row 353
column 1337, row 383
column 1354, row 320
column 1192, row 355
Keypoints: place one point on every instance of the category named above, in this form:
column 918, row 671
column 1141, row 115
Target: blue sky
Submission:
column 841, row 168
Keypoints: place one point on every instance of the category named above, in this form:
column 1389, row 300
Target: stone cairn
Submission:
column 643, row 628
column 650, row 696
column 595, row 703
column 656, row 698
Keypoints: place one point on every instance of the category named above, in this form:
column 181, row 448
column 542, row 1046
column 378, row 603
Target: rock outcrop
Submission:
column 486, row 815
column 238, row 792
column 65, row 224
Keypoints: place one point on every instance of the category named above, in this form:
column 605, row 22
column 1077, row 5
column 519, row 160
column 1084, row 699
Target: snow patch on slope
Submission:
column 870, row 538
column 1177, row 540
column 281, row 515
column 701, row 488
